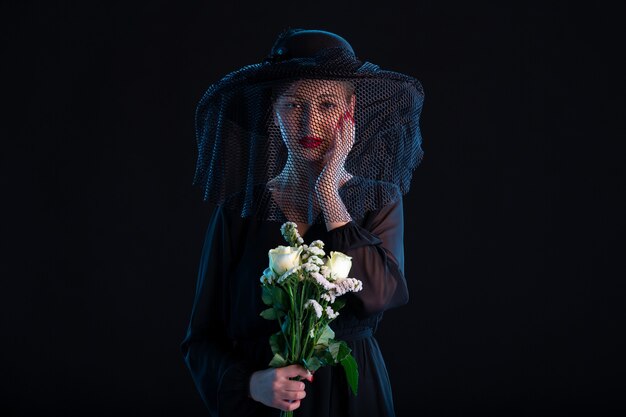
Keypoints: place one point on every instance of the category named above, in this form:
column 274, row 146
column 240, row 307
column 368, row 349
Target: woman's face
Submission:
column 308, row 112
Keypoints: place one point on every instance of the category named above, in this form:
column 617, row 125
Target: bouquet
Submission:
column 301, row 287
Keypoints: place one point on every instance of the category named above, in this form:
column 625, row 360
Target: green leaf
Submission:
column 325, row 357
column 352, row 372
column 267, row 296
column 286, row 325
column 333, row 348
column 326, row 335
column 277, row 361
column 280, row 298
column 344, row 351
column 313, row 364
column 338, row 304
column 277, row 343
column 271, row 314
column 338, row 349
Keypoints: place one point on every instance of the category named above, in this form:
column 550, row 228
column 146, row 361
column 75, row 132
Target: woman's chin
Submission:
column 309, row 155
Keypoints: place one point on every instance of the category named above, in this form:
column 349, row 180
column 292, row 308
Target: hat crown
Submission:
column 305, row 43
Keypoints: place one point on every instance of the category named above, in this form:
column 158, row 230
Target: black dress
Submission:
column 227, row 340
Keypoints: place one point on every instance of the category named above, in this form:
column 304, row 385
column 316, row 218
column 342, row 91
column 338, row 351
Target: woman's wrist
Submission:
column 250, row 385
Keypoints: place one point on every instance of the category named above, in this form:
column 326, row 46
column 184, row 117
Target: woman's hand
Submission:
column 334, row 173
column 274, row 388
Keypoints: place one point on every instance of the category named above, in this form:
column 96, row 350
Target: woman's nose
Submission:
column 308, row 121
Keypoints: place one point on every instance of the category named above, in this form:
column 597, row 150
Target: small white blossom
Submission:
column 314, row 250
column 318, row 243
column 289, row 230
column 329, row 296
column 316, row 306
column 345, row 285
column 286, row 275
column 330, row 313
column 312, row 333
column 284, row 226
column 309, row 267
column 319, row 278
column 316, row 260
column 324, row 270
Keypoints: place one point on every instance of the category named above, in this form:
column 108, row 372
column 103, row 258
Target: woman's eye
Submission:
column 292, row 105
column 328, row 105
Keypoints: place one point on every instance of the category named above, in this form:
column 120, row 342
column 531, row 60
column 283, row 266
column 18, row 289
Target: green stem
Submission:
column 301, row 321
column 308, row 315
column 292, row 325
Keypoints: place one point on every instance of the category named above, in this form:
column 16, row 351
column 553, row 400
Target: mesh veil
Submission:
column 322, row 138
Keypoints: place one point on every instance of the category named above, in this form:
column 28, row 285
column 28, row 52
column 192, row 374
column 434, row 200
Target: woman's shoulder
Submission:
column 247, row 202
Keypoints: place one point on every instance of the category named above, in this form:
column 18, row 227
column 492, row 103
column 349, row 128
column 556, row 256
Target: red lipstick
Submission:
column 310, row 141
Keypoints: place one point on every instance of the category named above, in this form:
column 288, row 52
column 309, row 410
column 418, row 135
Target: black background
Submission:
column 513, row 225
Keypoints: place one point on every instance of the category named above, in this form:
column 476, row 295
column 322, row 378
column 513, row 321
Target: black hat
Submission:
column 302, row 43
column 242, row 148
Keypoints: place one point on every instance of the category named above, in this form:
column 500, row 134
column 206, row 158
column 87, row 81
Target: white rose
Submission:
column 339, row 264
column 283, row 258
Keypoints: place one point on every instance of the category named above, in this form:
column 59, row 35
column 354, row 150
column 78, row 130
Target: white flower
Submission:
column 329, row 296
column 284, row 258
column 358, row 285
column 312, row 333
column 339, row 264
column 316, row 306
column 289, row 273
column 346, row 285
column 318, row 243
column 319, row 278
column 284, row 226
column 330, row 313
column 316, row 260
column 268, row 276
column 309, row 267
column 324, row 270
column 314, row 250
column 289, row 230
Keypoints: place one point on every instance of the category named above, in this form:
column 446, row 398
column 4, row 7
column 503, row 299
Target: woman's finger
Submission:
column 293, row 395
column 346, row 134
column 291, row 385
column 293, row 371
column 290, row 406
column 344, row 137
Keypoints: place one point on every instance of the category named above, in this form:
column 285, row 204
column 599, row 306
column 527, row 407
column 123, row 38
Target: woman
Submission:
column 315, row 118
column 315, row 136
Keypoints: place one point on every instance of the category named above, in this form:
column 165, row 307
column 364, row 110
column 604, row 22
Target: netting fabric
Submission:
column 311, row 134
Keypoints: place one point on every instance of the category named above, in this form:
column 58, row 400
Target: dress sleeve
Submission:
column 222, row 379
column 377, row 251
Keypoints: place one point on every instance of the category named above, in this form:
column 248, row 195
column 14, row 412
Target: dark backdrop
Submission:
column 514, row 222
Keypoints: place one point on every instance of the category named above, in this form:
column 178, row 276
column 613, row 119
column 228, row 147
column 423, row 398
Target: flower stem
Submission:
column 293, row 327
